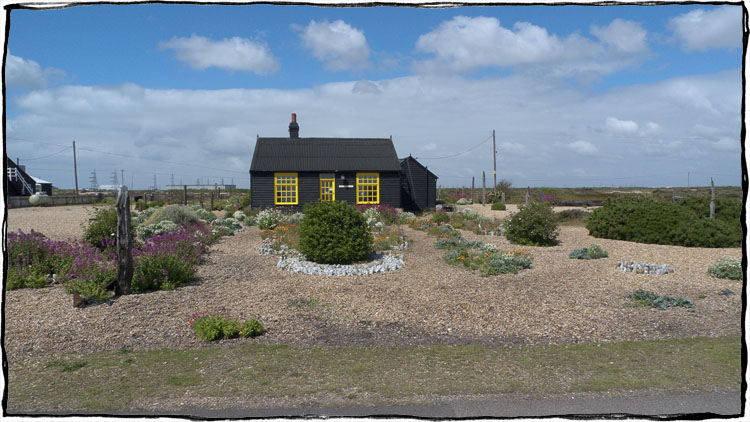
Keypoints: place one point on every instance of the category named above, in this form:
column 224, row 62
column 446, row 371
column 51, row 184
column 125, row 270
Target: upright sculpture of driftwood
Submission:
column 713, row 198
column 124, row 244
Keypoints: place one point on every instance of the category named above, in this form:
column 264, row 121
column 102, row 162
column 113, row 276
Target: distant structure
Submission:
column 21, row 183
column 215, row 186
column 93, row 183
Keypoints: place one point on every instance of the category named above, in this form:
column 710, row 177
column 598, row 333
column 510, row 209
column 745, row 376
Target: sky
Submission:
column 576, row 95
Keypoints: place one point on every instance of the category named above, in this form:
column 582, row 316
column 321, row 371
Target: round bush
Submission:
column 440, row 217
column 334, row 233
column 177, row 214
column 498, row 206
column 534, row 224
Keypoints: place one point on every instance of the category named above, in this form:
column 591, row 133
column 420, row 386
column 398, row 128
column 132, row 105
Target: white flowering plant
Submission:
column 148, row 231
column 268, row 219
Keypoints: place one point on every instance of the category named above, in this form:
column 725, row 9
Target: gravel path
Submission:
column 429, row 301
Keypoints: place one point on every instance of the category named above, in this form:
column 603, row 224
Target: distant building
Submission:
column 215, row 186
column 21, row 183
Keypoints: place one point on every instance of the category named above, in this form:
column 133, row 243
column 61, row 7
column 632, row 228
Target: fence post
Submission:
column 528, row 191
column 184, row 194
column 484, row 189
column 472, row 189
column 212, row 201
column 713, row 197
column 124, row 244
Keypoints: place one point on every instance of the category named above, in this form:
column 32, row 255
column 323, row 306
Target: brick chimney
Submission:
column 294, row 127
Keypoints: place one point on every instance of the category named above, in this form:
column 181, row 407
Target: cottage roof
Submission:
column 411, row 161
column 325, row 154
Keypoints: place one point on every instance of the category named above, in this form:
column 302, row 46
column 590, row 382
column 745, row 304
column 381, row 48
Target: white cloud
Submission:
column 583, row 148
column 535, row 119
column 28, row 74
column 466, row 44
column 704, row 29
column 624, row 36
column 337, row 44
column 618, row 125
column 236, row 54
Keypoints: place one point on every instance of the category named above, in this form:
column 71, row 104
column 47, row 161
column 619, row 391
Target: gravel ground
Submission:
column 560, row 300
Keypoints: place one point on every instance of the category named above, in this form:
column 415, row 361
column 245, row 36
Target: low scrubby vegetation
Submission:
column 639, row 218
column 729, row 268
column 219, row 326
column 652, row 300
column 592, row 252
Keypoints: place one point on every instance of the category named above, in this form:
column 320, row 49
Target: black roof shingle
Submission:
column 325, row 154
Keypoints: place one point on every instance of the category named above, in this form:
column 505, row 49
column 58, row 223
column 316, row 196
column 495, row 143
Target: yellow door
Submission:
column 327, row 190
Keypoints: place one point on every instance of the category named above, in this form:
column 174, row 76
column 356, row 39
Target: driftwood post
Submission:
column 124, row 244
column 184, row 194
column 502, row 196
column 472, row 189
column 484, row 189
column 713, row 197
column 439, row 189
column 528, row 191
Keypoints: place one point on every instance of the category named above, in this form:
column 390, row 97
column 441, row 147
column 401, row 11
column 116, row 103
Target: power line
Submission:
column 456, row 155
column 47, row 156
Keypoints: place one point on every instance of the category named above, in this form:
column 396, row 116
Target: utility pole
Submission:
column 122, row 176
column 494, row 161
column 75, row 165
column 688, row 179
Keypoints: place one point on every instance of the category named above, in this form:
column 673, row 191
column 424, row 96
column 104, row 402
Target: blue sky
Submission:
column 578, row 95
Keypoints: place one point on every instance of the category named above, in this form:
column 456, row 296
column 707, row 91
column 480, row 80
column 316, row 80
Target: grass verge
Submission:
column 256, row 375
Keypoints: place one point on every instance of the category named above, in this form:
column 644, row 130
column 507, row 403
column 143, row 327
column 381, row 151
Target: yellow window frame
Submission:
column 368, row 188
column 285, row 189
column 325, row 194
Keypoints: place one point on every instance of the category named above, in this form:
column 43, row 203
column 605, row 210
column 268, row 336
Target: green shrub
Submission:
column 440, row 217
column 498, row 206
column 178, row 214
column 653, row 300
column 20, row 279
column 102, row 231
column 592, row 252
column 160, row 272
column 726, row 267
column 334, row 233
column 642, row 219
column 534, row 224
column 217, row 327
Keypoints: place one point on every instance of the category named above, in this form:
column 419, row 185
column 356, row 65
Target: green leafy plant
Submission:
column 498, row 206
column 730, row 268
column 102, row 231
column 574, row 214
column 334, row 233
column 650, row 299
column 440, row 217
column 164, row 272
column 592, row 252
column 534, row 224
column 218, row 326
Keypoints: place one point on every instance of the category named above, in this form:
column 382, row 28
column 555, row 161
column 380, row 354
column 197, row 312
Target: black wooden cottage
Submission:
column 288, row 172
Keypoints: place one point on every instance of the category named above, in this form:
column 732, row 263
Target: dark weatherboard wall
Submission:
column 418, row 185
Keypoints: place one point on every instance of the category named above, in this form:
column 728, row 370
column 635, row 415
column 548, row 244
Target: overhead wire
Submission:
column 47, row 156
column 457, row 154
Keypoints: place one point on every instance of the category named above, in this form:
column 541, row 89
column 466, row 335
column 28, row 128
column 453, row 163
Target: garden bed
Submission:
column 429, row 301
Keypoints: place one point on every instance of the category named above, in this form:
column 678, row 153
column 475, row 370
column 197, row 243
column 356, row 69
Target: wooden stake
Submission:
column 713, row 197
column 124, row 244
column 484, row 189
column 472, row 189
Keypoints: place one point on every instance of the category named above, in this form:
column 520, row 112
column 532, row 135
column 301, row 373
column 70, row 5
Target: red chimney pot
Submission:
column 294, row 117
